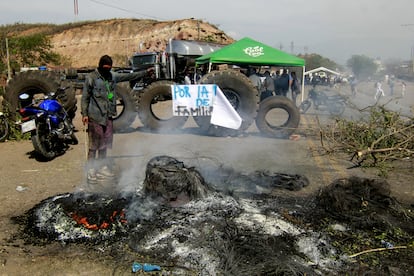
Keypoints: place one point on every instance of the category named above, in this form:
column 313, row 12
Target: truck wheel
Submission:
column 278, row 117
column 38, row 82
column 155, row 108
column 242, row 95
column 69, row 100
column 125, row 107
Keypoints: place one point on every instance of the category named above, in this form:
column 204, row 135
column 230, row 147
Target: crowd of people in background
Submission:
column 279, row 82
column 283, row 82
column 390, row 81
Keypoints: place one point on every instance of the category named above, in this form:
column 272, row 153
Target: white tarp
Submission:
column 205, row 100
column 322, row 69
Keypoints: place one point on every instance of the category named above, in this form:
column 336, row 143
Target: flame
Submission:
column 116, row 215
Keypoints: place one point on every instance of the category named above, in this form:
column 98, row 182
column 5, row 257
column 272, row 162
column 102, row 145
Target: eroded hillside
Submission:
column 84, row 44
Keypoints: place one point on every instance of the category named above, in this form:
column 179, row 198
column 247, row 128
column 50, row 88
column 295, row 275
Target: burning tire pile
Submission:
column 77, row 217
column 189, row 221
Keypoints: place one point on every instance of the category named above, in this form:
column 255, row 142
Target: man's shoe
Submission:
column 91, row 176
column 105, row 172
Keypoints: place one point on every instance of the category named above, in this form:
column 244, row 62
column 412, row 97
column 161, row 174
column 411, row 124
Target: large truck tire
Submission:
column 69, row 100
column 38, row 82
column 155, row 100
column 126, row 111
column 242, row 95
column 283, row 126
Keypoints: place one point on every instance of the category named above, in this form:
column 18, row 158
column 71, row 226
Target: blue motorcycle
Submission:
column 49, row 124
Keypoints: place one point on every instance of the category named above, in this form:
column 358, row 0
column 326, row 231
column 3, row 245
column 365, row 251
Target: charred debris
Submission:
column 236, row 224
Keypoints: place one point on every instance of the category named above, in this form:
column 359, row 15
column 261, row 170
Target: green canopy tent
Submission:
column 247, row 51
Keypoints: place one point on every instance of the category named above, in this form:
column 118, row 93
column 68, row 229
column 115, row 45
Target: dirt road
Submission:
column 25, row 182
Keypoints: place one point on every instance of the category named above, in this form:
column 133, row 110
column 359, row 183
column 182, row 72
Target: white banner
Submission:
column 205, row 100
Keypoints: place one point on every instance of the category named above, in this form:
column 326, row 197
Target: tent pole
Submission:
column 303, row 83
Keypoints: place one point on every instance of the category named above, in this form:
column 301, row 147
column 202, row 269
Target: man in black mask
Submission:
column 98, row 107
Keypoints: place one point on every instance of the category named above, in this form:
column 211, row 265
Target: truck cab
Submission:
column 174, row 62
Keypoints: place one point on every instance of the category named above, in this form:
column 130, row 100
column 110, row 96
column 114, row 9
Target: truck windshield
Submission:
column 140, row 60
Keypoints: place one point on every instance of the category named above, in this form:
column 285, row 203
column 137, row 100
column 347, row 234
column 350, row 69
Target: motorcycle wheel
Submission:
column 74, row 139
column 71, row 129
column 43, row 143
column 336, row 108
column 304, row 106
column 4, row 129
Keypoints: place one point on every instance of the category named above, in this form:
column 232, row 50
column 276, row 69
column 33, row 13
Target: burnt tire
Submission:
column 38, row 82
column 242, row 95
column 281, row 127
column 158, row 93
column 126, row 110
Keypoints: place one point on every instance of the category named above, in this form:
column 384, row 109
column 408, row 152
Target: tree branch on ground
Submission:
column 383, row 138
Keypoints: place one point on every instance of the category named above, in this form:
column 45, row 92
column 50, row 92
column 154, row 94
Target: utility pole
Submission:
column 198, row 29
column 412, row 47
column 75, row 7
column 8, row 59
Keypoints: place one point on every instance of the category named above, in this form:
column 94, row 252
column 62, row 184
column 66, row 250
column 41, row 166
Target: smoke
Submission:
column 141, row 209
column 221, row 159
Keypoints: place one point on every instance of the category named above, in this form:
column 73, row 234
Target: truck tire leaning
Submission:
column 242, row 95
column 38, row 82
column 283, row 129
column 69, row 100
column 158, row 93
column 126, row 111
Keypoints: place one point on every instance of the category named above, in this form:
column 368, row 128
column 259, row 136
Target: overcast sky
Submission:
column 336, row 29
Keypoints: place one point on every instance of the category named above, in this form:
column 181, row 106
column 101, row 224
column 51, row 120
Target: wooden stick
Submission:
column 377, row 249
column 86, row 143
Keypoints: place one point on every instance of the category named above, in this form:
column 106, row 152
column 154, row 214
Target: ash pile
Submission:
column 206, row 222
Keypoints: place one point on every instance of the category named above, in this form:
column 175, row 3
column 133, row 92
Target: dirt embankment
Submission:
column 83, row 44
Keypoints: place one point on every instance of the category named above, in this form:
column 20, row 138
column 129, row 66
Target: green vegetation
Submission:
column 362, row 66
column 30, row 50
column 46, row 29
column 30, row 45
column 313, row 61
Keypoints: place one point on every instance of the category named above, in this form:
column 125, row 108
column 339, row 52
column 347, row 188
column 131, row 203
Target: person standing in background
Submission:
column 268, row 86
column 353, row 84
column 403, row 87
column 255, row 79
column 391, row 85
column 380, row 92
column 285, row 81
column 295, row 87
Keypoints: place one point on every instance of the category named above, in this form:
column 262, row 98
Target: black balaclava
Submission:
column 105, row 71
